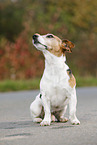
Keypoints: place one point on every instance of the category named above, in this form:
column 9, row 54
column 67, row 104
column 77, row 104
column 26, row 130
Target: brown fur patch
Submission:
column 56, row 46
column 72, row 80
column 56, row 53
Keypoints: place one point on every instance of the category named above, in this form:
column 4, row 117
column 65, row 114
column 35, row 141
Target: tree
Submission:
column 11, row 21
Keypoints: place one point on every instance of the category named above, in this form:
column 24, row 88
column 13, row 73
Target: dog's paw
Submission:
column 75, row 122
column 45, row 123
column 38, row 120
column 64, row 119
column 53, row 118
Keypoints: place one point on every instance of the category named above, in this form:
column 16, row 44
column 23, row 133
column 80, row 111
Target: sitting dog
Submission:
column 57, row 86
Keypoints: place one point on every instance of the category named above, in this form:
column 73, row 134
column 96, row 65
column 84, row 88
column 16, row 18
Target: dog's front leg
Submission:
column 47, row 118
column 72, row 109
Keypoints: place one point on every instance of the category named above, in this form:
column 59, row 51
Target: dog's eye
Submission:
column 49, row 36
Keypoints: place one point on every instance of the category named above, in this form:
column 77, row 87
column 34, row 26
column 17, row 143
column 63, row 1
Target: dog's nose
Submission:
column 34, row 37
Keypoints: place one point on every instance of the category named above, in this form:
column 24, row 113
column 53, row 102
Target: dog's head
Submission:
column 52, row 43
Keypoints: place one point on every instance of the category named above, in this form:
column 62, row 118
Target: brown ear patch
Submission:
column 72, row 80
column 67, row 45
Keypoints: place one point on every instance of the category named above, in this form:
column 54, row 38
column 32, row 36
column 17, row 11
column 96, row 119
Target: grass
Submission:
column 16, row 85
column 86, row 81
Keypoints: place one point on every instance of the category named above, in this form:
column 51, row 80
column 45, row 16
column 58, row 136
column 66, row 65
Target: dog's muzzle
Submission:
column 35, row 38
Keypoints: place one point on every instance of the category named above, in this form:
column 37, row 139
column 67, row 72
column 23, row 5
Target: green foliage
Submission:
column 11, row 21
column 74, row 20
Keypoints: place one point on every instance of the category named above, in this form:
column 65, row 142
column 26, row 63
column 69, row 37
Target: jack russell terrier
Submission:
column 57, row 86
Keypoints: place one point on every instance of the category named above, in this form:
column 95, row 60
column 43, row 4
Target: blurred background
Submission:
column 75, row 20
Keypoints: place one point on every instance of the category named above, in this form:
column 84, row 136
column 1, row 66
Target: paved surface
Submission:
column 16, row 127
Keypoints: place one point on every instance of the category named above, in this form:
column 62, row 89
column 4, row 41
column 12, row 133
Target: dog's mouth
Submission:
column 43, row 45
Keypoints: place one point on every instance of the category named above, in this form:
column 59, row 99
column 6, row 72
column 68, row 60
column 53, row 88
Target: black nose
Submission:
column 35, row 37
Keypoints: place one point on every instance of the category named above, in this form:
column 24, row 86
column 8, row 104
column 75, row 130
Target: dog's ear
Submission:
column 67, row 46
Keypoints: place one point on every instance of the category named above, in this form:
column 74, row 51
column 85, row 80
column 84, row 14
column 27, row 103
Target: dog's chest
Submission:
column 54, row 83
column 58, row 96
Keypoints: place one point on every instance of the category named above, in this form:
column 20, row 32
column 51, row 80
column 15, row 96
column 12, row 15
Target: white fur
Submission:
column 55, row 89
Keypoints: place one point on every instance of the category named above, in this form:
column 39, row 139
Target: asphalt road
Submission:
column 17, row 128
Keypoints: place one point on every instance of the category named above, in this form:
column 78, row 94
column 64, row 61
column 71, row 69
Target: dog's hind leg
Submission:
column 35, row 109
